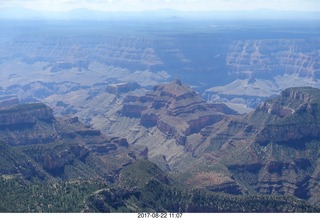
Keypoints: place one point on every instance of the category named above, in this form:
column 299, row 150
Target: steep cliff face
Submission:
column 268, row 58
column 296, row 116
column 175, row 109
column 275, row 149
column 27, row 124
column 57, row 147
column 265, row 67
column 58, row 160
column 25, row 115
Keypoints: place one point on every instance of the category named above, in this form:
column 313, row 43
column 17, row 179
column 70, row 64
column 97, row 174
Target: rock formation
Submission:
column 294, row 115
column 175, row 109
column 270, row 56
column 272, row 150
column 57, row 147
column 25, row 115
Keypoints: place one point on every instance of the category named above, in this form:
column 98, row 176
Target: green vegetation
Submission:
column 149, row 194
column 18, row 195
column 62, row 176
column 142, row 187
column 157, row 197
column 71, row 162
column 139, row 173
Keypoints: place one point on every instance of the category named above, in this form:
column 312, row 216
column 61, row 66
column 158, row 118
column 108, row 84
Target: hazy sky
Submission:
column 186, row 5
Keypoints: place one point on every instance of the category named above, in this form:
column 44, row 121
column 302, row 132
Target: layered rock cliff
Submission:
column 175, row 109
column 25, row 115
column 265, row 67
column 296, row 116
column 266, row 58
column 57, row 147
column 273, row 150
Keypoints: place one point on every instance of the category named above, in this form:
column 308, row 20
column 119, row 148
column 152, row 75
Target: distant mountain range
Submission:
column 86, row 14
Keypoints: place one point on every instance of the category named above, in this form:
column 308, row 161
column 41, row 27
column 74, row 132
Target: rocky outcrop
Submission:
column 62, row 158
column 276, row 109
column 27, row 124
column 59, row 147
column 34, row 124
column 199, row 123
column 273, row 150
column 290, row 101
column 25, row 115
column 293, row 116
column 175, row 109
column 110, row 144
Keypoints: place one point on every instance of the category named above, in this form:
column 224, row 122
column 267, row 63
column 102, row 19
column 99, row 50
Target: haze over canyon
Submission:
column 174, row 113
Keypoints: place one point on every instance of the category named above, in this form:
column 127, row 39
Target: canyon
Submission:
column 240, row 67
column 271, row 151
column 225, row 107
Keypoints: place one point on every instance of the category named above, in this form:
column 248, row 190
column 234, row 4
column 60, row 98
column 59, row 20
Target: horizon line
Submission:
column 160, row 9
